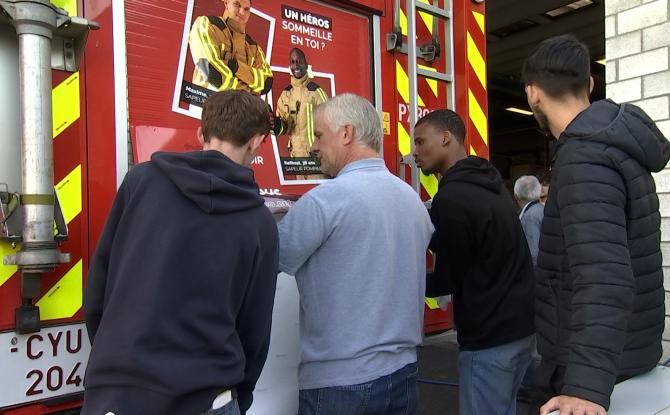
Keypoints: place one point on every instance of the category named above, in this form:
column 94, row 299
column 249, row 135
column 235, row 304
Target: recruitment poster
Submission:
column 311, row 51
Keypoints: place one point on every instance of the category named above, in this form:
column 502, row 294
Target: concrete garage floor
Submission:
column 437, row 362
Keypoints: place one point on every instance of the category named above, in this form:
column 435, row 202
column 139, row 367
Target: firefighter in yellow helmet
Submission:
column 295, row 108
column 225, row 57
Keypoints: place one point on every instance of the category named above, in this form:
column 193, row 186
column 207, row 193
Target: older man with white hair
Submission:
column 357, row 247
column 527, row 191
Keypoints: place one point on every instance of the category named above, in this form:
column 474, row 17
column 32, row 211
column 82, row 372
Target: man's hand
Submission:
column 278, row 207
column 569, row 405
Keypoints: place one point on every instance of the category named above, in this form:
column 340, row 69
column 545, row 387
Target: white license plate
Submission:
column 42, row 365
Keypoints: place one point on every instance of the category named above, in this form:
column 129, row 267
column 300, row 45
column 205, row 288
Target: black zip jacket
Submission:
column 179, row 295
column 600, row 300
column 482, row 256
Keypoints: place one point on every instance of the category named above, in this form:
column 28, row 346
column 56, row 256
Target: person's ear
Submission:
column 348, row 134
column 255, row 143
column 447, row 136
column 591, row 85
column 201, row 137
column 533, row 94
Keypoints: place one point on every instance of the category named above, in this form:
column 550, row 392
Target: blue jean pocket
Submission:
column 341, row 400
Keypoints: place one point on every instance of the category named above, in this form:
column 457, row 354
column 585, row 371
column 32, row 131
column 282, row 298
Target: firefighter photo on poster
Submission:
column 295, row 114
column 221, row 54
column 289, row 52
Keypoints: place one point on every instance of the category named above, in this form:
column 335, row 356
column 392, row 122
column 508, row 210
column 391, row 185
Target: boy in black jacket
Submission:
column 484, row 261
column 179, row 295
column 600, row 300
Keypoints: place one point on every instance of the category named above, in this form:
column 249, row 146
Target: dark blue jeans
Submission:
column 394, row 394
column 489, row 379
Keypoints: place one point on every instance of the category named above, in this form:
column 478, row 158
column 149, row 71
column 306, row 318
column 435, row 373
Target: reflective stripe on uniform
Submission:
column 212, row 55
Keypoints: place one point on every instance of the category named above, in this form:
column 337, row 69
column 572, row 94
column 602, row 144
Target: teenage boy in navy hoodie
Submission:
column 179, row 295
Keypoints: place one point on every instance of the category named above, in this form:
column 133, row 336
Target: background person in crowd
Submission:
column 600, row 300
column 225, row 57
column 544, row 190
column 527, row 192
column 357, row 247
column 482, row 258
column 179, row 295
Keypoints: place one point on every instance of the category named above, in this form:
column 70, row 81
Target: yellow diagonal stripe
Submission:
column 431, row 82
column 6, row 271
column 472, row 151
column 478, row 117
column 403, row 23
column 402, row 83
column 432, row 303
column 480, row 20
column 430, row 183
column 64, row 299
column 476, row 61
column 69, row 194
column 427, row 18
column 69, row 5
column 65, row 101
column 404, row 145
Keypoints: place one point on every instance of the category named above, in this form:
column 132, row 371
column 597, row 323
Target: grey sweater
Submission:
column 357, row 246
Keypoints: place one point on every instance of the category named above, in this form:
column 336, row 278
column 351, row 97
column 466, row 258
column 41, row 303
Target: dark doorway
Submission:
column 514, row 27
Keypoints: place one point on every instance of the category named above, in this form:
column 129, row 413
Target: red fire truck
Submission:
column 79, row 108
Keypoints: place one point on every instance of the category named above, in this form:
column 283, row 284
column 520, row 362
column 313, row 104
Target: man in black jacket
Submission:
column 599, row 296
column 179, row 295
column 484, row 261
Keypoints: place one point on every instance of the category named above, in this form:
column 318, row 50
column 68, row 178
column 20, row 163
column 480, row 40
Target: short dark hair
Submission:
column 445, row 120
column 560, row 65
column 234, row 116
column 544, row 179
column 299, row 52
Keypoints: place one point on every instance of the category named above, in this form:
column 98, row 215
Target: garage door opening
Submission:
column 514, row 28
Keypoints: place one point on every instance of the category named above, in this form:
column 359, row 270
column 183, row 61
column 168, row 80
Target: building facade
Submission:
column 637, row 43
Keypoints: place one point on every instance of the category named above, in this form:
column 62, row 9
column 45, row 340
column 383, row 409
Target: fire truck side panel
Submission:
column 90, row 135
column 61, row 290
column 100, row 109
column 471, row 73
column 50, row 364
column 159, row 65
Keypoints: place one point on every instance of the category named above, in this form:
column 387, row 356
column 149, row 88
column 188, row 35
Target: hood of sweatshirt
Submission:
column 211, row 180
column 474, row 170
column 624, row 126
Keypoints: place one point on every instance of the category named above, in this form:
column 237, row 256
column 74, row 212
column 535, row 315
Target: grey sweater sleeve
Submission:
column 301, row 233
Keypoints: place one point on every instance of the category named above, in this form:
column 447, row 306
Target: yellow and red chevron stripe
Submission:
column 62, row 289
column 431, row 94
column 429, row 183
column 477, row 102
column 64, row 298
